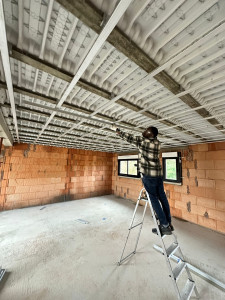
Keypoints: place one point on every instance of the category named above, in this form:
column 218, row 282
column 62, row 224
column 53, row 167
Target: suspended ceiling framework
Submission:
column 69, row 69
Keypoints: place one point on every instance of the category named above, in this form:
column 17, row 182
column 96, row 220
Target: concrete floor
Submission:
column 49, row 255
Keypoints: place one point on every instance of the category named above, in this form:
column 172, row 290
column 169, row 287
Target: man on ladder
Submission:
column 151, row 173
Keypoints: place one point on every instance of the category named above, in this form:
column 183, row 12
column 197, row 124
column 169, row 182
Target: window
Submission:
column 127, row 166
column 172, row 167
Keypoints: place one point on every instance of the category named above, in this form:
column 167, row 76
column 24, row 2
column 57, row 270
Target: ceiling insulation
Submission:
column 69, row 69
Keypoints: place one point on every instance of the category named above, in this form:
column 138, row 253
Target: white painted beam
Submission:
column 20, row 24
column 48, row 18
column 6, row 66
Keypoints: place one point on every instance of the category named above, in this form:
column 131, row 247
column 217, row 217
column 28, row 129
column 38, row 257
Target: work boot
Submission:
column 171, row 227
column 166, row 230
column 163, row 230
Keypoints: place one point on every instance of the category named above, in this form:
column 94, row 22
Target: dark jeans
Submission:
column 155, row 189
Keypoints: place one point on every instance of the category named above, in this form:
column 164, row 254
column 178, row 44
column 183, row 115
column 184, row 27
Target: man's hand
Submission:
column 113, row 127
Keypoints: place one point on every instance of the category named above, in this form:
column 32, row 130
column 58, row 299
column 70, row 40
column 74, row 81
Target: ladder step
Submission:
column 172, row 248
column 188, row 289
column 178, row 269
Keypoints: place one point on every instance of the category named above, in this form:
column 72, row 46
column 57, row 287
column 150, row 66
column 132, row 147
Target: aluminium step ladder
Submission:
column 174, row 273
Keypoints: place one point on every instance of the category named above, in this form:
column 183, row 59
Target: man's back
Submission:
column 149, row 149
column 149, row 163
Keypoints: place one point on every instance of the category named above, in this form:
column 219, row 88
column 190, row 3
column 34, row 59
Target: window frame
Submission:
column 127, row 159
column 177, row 157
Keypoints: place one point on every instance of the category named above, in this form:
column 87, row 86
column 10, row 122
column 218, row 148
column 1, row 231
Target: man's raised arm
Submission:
column 135, row 140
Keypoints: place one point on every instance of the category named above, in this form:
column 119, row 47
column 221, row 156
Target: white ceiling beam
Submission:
column 19, row 73
column 48, row 18
column 35, row 81
column 6, row 66
column 68, row 39
column 20, row 24
column 41, row 55
column 103, row 57
column 2, row 76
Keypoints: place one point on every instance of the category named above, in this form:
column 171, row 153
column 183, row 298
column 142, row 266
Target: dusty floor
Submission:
column 50, row 255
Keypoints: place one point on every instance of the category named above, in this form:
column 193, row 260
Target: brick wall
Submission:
column 201, row 198
column 124, row 187
column 37, row 175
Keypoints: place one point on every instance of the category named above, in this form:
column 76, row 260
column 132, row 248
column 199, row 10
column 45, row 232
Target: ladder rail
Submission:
column 164, row 248
column 131, row 224
column 142, row 222
column 131, row 227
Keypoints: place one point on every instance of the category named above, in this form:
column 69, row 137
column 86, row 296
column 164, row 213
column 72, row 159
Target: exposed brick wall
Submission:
column 37, row 175
column 201, row 198
column 91, row 173
column 122, row 186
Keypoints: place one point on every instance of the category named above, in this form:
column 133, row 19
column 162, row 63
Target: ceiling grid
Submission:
column 77, row 67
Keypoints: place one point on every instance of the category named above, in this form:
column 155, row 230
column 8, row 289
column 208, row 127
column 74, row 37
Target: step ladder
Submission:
column 174, row 273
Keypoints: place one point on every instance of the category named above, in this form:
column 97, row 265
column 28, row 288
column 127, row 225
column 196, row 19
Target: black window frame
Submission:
column 127, row 175
column 178, row 168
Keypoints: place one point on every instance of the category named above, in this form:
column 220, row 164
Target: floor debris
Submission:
column 82, row 221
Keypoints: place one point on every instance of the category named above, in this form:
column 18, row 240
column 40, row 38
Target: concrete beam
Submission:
column 93, row 18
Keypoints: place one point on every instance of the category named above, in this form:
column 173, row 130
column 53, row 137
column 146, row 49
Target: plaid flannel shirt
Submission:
column 149, row 163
